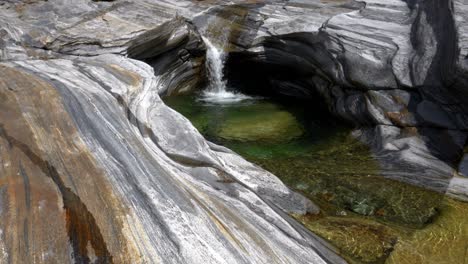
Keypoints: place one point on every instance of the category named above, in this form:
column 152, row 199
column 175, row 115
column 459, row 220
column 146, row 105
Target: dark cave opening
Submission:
column 284, row 83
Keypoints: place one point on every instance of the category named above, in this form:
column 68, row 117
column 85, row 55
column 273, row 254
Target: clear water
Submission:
column 257, row 127
column 368, row 218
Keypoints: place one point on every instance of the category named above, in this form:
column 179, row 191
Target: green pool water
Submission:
column 368, row 218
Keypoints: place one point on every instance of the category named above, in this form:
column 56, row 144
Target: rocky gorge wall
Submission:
column 394, row 69
column 96, row 167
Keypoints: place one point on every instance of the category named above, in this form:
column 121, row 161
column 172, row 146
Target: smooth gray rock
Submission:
column 373, row 63
column 177, row 198
column 186, row 201
column 396, row 69
column 463, row 166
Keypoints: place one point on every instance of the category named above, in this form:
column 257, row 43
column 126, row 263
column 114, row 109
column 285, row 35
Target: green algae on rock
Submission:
column 262, row 121
column 363, row 240
column 443, row 241
column 274, row 126
column 337, row 181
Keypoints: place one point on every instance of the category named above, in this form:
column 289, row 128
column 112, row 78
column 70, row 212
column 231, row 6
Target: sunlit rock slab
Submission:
column 43, row 28
column 94, row 167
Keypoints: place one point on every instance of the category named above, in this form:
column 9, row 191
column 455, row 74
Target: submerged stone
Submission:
column 334, row 182
column 363, row 208
column 363, row 240
column 275, row 126
column 442, row 241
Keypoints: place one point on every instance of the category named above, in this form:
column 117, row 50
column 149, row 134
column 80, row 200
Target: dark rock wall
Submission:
column 391, row 69
column 180, row 64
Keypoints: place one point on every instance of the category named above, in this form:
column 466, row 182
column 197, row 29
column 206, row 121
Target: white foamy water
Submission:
column 223, row 97
column 215, row 65
column 216, row 91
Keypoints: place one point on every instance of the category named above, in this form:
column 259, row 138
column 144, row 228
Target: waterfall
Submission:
column 216, row 91
column 215, row 65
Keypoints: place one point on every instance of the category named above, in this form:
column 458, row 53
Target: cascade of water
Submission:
column 215, row 65
column 217, row 91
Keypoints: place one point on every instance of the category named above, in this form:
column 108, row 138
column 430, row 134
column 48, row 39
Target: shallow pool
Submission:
column 368, row 218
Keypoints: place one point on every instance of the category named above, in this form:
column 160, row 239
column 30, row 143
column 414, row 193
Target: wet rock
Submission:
column 373, row 243
column 268, row 125
column 345, row 177
column 463, row 166
column 418, row 246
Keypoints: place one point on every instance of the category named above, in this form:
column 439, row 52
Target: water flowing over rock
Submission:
column 94, row 166
column 216, row 37
column 217, row 91
column 215, row 65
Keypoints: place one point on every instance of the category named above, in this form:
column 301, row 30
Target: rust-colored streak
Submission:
column 81, row 225
column 126, row 76
column 52, row 189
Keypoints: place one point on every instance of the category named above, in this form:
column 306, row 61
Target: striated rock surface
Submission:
column 95, row 168
column 395, row 69
column 88, row 146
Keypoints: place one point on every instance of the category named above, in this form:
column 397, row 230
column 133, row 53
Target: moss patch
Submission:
column 271, row 127
column 362, row 240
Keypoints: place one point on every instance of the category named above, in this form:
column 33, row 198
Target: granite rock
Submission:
column 96, row 168
column 88, row 145
column 375, row 64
